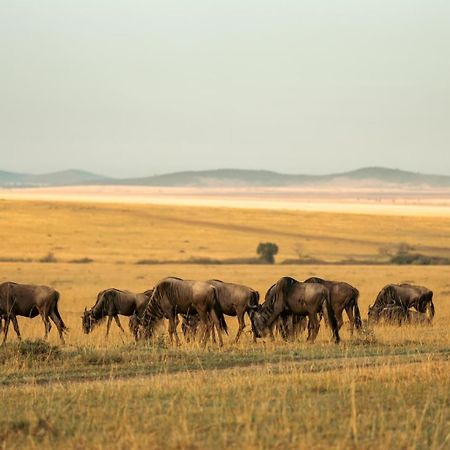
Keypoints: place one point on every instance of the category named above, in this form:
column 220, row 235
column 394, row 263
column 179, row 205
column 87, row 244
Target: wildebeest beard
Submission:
column 261, row 318
column 90, row 321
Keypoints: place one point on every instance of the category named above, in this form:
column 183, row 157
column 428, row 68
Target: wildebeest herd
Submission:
column 289, row 307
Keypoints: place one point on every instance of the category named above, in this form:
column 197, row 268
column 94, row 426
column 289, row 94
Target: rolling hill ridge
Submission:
column 369, row 176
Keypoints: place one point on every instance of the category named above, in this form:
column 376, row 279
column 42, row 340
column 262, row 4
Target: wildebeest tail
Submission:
column 429, row 308
column 253, row 299
column 332, row 317
column 219, row 313
column 56, row 311
column 358, row 321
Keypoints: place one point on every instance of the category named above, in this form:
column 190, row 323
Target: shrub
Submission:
column 267, row 251
column 48, row 258
column 84, row 260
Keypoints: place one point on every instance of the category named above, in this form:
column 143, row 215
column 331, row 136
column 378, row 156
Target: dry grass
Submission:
column 387, row 389
column 128, row 233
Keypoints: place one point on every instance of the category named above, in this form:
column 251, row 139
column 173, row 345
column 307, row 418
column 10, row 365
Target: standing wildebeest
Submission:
column 110, row 303
column 405, row 296
column 342, row 296
column 173, row 296
column 289, row 295
column 234, row 300
column 29, row 301
column 288, row 324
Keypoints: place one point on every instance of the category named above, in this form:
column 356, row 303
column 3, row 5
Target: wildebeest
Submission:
column 405, row 296
column 29, row 300
column 110, row 303
column 173, row 296
column 234, row 300
column 290, row 295
column 288, row 324
column 342, row 296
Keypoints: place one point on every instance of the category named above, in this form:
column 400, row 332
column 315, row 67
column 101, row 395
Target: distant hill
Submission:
column 62, row 178
column 369, row 176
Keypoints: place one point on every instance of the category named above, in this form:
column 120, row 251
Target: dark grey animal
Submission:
column 235, row 300
column 405, row 296
column 110, row 304
column 290, row 295
column 343, row 296
column 29, row 300
column 288, row 325
column 173, row 296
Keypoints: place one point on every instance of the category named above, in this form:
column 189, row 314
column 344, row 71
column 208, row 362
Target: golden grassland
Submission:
column 128, row 233
column 386, row 387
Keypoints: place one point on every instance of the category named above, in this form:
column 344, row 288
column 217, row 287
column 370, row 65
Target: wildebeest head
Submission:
column 257, row 319
column 87, row 321
column 134, row 325
column 373, row 314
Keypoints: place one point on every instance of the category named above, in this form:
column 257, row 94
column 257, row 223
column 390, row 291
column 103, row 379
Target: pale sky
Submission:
column 131, row 88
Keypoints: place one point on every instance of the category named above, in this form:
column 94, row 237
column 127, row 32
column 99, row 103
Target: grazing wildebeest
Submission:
column 288, row 324
column 342, row 296
column 235, row 300
column 289, row 295
column 30, row 301
column 173, row 296
column 405, row 296
column 110, row 303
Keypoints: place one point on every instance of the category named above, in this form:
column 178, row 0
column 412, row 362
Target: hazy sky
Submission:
column 132, row 88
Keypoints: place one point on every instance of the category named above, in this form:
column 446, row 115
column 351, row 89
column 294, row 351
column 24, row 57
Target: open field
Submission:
column 387, row 387
column 116, row 233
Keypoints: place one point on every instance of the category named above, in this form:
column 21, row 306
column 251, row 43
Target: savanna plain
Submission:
column 386, row 387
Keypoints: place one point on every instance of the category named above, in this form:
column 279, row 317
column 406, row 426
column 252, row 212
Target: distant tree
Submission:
column 267, row 251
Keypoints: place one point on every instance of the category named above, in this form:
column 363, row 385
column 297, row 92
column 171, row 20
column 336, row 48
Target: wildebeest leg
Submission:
column 47, row 324
column 313, row 327
column 204, row 326
column 272, row 337
column 213, row 334
column 5, row 329
column 216, row 322
column 351, row 318
column 59, row 325
column 108, row 325
column 339, row 319
column 16, row 327
column 116, row 318
column 173, row 322
column 241, row 321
